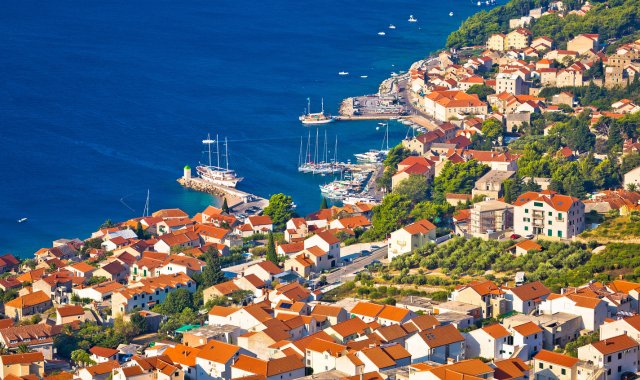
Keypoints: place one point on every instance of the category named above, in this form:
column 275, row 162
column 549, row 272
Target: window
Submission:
column 549, row 233
column 526, row 228
column 550, row 213
column 526, row 210
column 559, row 234
column 549, row 222
column 609, row 359
column 619, row 355
column 563, row 371
column 619, row 369
column 538, row 204
column 540, row 365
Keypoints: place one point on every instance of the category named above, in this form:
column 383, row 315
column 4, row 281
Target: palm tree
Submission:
column 23, row 349
column 3, row 349
column 632, row 187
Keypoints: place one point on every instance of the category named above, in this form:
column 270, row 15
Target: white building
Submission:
column 411, row 237
column 617, row 355
column 490, row 342
column 549, row 214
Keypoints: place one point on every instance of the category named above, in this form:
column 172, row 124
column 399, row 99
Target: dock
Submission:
column 237, row 200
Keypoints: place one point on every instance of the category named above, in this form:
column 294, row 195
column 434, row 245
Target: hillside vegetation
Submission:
column 610, row 19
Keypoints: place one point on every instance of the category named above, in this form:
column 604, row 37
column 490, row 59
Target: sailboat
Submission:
column 309, row 118
column 216, row 174
column 375, row 155
column 319, row 165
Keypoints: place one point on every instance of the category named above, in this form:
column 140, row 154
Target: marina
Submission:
column 239, row 201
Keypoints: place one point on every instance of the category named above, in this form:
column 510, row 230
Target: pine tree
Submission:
column 225, row 206
column 324, row 204
column 271, row 250
column 212, row 272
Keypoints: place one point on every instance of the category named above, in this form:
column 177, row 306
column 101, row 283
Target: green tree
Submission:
column 212, row 272
column 481, row 90
column 82, row 358
column 23, row 349
column 387, row 217
column 139, row 323
column 177, row 301
column 225, row 206
column 414, row 188
column 324, row 204
column 492, row 129
column 280, row 210
column 271, row 255
column 457, row 178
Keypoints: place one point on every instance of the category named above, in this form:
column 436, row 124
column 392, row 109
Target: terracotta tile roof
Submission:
column 396, row 351
column 70, row 310
column 378, row 357
column 83, row 267
column 367, row 309
column 422, row 226
column 189, row 262
column 269, row 368
column 328, row 237
column 102, row 368
column 555, row 358
column 355, row 221
column 292, row 247
column 260, row 220
column 586, row 302
column 529, row 245
column 423, row 322
column 170, row 213
column 393, row 313
column 103, row 352
column 527, row 329
column 17, row 335
column 270, row 267
column 218, row 352
column 556, row 201
column 441, row 336
column 496, row 331
column 321, row 345
column 509, row 369
column 212, row 231
column 60, row 376
column 485, row 287
column 531, row 291
column 623, row 286
column 391, row 332
column 30, row 357
column 222, row 311
column 28, row 300
column 350, row 327
column 326, row 310
column 182, row 354
column 615, row 344
column 226, row 288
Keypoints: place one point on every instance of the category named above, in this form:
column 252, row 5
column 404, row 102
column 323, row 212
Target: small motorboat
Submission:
column 364, row 76
column 450, row 14
column 391, row 26
column 381, row 33
column 343, row 73
column 22, row 220
column 412, row 19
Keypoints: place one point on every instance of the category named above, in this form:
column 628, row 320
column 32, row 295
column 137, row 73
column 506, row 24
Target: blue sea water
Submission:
column 102, row 100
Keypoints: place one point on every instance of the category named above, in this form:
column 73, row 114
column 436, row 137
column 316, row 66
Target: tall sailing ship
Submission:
column 217, row 174
column 309, row 118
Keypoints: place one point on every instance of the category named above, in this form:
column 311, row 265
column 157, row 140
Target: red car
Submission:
column 514, row 236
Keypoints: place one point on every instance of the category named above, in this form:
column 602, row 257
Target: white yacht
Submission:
column 381, row 33
column 343, row 73
column 450, row 14
column 217, row 174
column 412, row 19
column 391, row 26
column 309, row 118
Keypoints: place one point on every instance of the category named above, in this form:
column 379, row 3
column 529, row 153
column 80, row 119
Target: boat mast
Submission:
column 226, row 152
column 145, row 212
column 209, row 145
column 218, row 150
column 300, row 153
column 323, row 105
column 315, row 154
column 308, row 106
column 307, row 156
column 335, row 153
column 325, row 155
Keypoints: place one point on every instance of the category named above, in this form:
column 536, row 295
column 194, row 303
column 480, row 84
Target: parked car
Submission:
column 529, row 237
column 514, row 236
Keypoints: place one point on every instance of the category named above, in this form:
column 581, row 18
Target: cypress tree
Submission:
column 271, row 250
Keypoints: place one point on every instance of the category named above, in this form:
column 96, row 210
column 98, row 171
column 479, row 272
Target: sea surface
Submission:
column 101, row 101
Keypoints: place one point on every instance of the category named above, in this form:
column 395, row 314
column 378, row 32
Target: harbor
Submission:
column 238, row 201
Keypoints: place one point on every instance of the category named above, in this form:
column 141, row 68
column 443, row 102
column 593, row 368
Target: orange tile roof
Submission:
column 102, row 368
column 350, row 327
column 556, row 201
column 441, row 336
column 260, row 220
column 70, row 310
column 393, row 313
column 586, row 302
column 103, row 352
column 623, row 286
column 531, row 291
column 30, row 357
column 367, row 309
column 615, row 344
column 378, row 357
column 321, row 345
column 422, row 226
column 28, row 300
column 326, row 310
column 182, row 354
column 509, row 369
column 218, row 352
column 529, row 245
column 555, row 358
column 527, row 329
column 496, row 331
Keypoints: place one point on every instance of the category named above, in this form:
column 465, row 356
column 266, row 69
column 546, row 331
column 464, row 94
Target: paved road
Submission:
column 357, row 265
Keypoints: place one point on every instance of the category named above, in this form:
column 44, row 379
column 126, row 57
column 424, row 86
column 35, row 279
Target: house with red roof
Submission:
column 445, row 105
column 411, row 237
column 617, row 355
column 591, row 310
column 549, row 214
column 412, row 166
column 485, row 294
column 490, row 342
column 260, row 224
column 436, row 344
